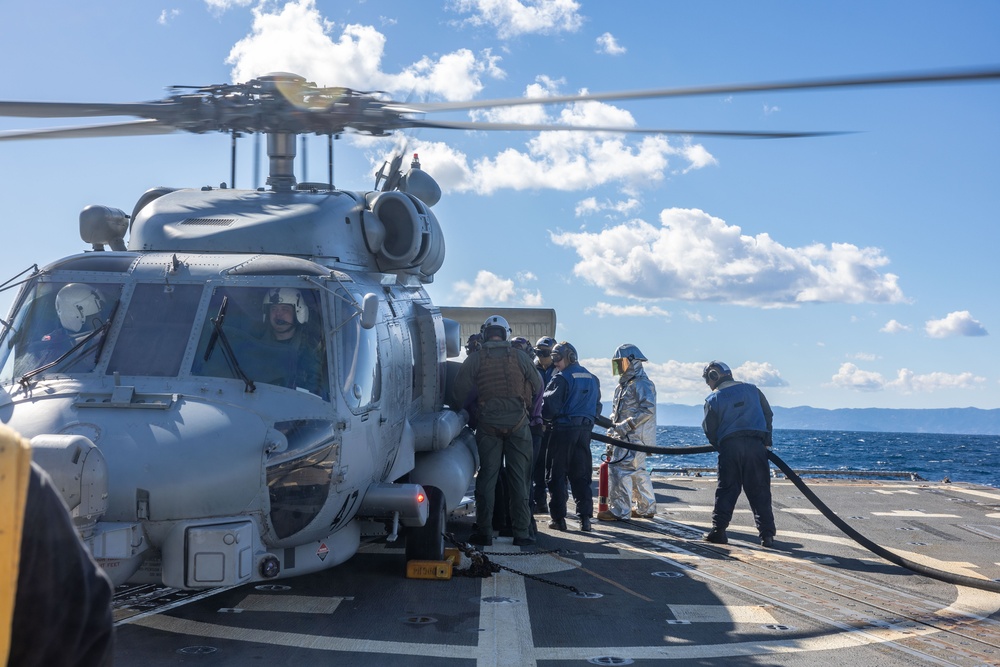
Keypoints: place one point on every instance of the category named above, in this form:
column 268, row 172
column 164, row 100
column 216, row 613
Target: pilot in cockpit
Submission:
column 286, row 315
column 80, row 309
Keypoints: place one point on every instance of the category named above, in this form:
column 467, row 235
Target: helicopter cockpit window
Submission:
column 59, row 323
column 265, row 334
column 155, row 330
column 359, row 364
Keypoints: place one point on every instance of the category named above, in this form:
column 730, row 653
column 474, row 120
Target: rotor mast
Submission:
column 281, row 159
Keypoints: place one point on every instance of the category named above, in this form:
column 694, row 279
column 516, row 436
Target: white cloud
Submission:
column 564, row 161
column 893, row 327
column 908, row 382
column 296, row 38
column 850, row 376
column 511, row 18
column 760, row 373
column 697, row 155
column 863, row 356
column 958, row 323
column 168, row 15
column 607, row 43
column 590, row 206
column 695, row 316
column 490, row 289
column 219, row 6
column 693, row 256
column 673, row 379
column 602, row 309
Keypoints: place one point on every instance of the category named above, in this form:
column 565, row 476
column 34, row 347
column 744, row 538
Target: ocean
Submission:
column 934, row 457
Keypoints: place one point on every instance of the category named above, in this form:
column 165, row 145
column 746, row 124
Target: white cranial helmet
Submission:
column 289, row 296
column 75, row 303
column 495, row 325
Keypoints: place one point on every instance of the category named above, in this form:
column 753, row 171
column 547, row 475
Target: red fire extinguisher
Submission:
column 602, row 487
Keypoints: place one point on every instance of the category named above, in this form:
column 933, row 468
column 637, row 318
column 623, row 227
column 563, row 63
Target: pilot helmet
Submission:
column 289, row 296
column 523, row 344
column 624, row 357
column 495, row 325
column 565, row 351
column 75, row 303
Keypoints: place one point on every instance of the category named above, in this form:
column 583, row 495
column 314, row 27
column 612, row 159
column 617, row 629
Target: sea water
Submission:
column 934, row 457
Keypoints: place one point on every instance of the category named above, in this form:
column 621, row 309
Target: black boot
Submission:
column 585, row 524
column 717, row 536
column 557, row 524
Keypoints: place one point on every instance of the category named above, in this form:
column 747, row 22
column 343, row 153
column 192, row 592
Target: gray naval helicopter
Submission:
column 256, row 379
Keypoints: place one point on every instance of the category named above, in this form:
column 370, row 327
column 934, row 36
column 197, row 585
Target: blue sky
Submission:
column 849, row 271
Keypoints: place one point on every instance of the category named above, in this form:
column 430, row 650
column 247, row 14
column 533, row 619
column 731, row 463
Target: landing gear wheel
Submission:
column 427, row 542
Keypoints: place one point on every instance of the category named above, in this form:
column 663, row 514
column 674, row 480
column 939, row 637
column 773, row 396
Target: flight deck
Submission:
column 642, row 592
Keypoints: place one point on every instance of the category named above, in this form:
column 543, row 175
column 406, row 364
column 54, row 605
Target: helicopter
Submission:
column 196, row 444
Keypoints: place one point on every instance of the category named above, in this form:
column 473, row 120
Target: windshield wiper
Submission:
column 26, row 378
column 218, row 335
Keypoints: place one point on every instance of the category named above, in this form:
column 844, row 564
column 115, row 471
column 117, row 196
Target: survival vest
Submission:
column 501, row 376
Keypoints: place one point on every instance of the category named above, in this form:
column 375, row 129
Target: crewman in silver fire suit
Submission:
column 634, row 415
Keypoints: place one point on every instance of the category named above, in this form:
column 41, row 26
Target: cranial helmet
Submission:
column 288, row 296
column 545, row 343
column 523, row 344
column 716, row 371
column 565, row 351
column 75, row 303
column 495, row 325
column 625, row 356
column 474, row 344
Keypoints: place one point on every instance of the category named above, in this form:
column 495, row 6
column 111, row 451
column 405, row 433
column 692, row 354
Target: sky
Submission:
column 848, row 271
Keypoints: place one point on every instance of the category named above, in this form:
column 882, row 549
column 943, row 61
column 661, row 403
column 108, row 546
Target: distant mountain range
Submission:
column 962, row 421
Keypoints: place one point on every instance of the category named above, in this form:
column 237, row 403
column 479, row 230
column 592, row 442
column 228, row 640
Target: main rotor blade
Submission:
column 132, row 128
column 73, row 109
column 933, row 77
column 546, row 127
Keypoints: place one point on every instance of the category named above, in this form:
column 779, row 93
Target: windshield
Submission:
column 272, row 335
column 53, row 319
column 156, row 330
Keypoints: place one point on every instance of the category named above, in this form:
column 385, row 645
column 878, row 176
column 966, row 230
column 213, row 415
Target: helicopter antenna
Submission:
column 305, row 160
column 232, row 160
column 329, row 159
column 256, row 160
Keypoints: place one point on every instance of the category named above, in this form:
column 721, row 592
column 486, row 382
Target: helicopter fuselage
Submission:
column 197, row 446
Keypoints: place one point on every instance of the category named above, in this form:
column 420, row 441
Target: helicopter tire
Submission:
column 427, row 542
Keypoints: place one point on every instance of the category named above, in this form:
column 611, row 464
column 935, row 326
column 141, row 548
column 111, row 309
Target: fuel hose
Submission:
column 932, row 573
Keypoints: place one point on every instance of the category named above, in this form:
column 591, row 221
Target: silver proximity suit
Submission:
column 634, row 415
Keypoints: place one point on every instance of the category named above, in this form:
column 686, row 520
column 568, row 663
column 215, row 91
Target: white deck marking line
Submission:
column 720, row 613
column 297, row 639
column 519, row 652
column 301, row 604
column 975, row 492
column 505, row 637
column 916, row 513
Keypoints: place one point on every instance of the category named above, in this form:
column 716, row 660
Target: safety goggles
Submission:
column 542, row 353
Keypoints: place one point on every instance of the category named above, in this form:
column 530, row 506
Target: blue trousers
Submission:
column 743, row 467
column 568, row 457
